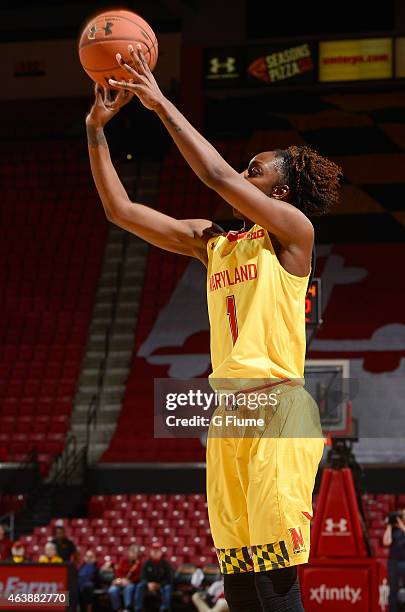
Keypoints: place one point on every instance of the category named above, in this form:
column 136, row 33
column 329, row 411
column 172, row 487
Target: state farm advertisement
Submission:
column 336, row 589
column 355, row 60
column 34, row 587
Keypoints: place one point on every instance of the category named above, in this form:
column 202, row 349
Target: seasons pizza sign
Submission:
column 260, row 66
column 293, row 63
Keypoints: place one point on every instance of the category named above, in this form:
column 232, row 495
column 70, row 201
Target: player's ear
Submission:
column 280, row 192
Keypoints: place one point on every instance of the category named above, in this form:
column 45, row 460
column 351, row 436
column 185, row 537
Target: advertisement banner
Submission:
column 34, row 586
column 400, row 57
column 224, row 67
column 260, row 66
column 355, row 60
column 281, row 65
column 336, row 589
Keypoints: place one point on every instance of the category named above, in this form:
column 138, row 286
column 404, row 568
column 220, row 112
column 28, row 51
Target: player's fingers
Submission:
column 132, row 88
column 107, row 96
column 141, row 55
column 136, row 60
column 118, row 84
column 132, row 55
column 142, row 59
column 123, row 96
column 128, row 86
column 126, row 66
column 99, row 93
column 119, row 59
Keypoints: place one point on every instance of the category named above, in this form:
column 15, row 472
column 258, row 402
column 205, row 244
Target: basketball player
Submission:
column 259, row 487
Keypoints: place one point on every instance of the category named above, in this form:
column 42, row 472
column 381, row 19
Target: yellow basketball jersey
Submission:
column 256, row 310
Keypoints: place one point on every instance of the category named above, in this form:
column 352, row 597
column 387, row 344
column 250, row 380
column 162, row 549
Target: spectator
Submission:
column 50, row 554
column 156, row 578
column 106, row 572
column 18, row 553
column 5, row 544
column 87, row 581
column 394, row 537
column 211, row 599
column 126, row 576
column 65, row 547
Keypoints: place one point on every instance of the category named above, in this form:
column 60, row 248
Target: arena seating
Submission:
column 178, row 522
column 51, row 256
column 376, row 509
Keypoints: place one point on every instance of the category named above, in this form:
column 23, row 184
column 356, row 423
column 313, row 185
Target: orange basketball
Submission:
column 109, row 33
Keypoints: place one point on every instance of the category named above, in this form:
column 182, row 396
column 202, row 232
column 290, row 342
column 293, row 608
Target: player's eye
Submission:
column 253, row 171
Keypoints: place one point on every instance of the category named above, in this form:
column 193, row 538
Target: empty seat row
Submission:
column 51, row 254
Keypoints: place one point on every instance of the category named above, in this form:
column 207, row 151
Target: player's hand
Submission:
column 105, row 106
column 141, row 81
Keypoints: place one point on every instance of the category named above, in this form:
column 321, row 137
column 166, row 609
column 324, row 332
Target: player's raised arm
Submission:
column 268, row 208
column 187, row 236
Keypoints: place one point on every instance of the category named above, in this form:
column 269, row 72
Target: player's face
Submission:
column 263, row 171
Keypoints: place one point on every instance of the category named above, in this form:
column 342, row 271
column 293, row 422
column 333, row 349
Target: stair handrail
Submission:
column 94, row 404
column 66, row 463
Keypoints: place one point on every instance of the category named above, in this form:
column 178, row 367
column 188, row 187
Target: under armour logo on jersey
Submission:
column 227, row 66
column 336, row 527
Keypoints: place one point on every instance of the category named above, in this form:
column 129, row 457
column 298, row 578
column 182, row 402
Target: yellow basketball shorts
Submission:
column 260, row 482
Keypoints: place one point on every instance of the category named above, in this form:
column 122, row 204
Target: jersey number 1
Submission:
column 231, row 312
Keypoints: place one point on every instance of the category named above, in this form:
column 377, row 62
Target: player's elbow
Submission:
column 109, row 215
column 216, row 178
column 115, row 211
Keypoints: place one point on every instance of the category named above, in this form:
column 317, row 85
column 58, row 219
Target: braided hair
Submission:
column 313, row 180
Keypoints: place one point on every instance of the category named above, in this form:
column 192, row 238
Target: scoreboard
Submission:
column 313, row 311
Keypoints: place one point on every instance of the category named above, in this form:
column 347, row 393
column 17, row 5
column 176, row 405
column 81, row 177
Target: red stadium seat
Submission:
column 48, row 285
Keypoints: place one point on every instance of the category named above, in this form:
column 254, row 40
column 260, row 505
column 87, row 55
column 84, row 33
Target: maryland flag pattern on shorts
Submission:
column 234, row 560
column 270, row 556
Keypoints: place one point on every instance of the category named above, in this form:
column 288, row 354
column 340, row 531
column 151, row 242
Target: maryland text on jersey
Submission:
column 227, row 278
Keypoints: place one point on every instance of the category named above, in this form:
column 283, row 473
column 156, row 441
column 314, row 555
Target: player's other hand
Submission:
column 106, row 105
column 141, row 81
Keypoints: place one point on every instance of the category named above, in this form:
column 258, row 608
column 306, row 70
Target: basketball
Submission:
column 110, row 33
